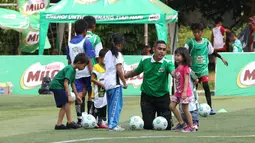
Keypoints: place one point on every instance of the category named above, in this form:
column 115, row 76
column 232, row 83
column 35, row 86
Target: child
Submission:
column 199, row 48
column 183, row 94
column 97, row 79
column 194, row 105
column 218, row 36
column 114, row 75
column 79, row 44
column 62, row 95
column 237, row 46
column 97, row 46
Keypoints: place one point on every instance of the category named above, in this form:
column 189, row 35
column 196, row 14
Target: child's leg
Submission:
column 207, row 93
column 68, row 112
column 185, row 108
column 176, row 113
column 61, row 115
column 80, row 87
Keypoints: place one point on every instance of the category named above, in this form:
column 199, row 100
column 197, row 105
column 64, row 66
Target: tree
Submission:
column 242, row 9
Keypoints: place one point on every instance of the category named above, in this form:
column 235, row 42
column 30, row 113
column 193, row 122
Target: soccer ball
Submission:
column 204, row 110
column 160, row 123
column 136, row 123
column 88, row 121
column 73, row 96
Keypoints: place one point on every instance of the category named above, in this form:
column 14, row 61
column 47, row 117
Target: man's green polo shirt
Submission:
column 156, row 75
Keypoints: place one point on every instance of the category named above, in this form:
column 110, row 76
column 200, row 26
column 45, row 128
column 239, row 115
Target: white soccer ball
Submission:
column 73, row 96
column 136, row 123
column 204, row 110
column 89, row 121
column 160, row 123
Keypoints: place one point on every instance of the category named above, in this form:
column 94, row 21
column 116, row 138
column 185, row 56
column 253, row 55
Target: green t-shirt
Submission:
column 96, row 43
column 199, row 53
column 155, row 80
column 237, row 46
column 67, row 73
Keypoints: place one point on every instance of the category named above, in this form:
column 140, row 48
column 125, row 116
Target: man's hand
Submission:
column 184, row 96
column 79, row 99
column 224, row 61
column 125, row 86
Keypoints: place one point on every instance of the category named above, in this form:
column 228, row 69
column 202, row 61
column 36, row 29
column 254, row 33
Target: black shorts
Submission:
column 150, row 105
column 60, row 96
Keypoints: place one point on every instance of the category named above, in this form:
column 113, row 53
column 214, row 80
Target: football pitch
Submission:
column 25, row 119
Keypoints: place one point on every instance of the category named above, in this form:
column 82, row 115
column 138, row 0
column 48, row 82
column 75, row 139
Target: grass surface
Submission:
column 32, row 119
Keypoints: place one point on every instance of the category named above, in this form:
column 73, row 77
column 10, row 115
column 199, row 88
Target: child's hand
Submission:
column 70, row 99
column 79, row 100
column 184, row 96
column 224, row 61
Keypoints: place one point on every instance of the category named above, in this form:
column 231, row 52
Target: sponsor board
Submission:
column 28, row 72
column 238, row 79
column 246, row 77
column 34, row 74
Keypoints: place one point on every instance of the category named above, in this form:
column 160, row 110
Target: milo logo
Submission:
column 154, row 17
column 32, row 38
column 33, row 75
column 34, row 6
column 246, row 77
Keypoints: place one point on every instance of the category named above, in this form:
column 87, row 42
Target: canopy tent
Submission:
column 109, row 12
column 11, row 19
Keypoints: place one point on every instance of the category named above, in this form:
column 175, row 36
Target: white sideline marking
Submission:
column 153, row 137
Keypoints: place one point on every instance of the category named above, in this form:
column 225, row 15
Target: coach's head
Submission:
column 159, row 50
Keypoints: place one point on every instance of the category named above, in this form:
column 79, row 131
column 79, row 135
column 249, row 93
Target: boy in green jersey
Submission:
column 62, row 95
column 199, row 49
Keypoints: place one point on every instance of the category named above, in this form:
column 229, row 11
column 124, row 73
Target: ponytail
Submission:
column 117, row 38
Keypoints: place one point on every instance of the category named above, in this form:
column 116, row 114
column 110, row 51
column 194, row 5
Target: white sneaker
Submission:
column 117, row 128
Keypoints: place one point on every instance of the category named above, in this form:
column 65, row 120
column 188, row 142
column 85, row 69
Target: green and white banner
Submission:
column 27, row 77
column 30, row 38
column 238, row 79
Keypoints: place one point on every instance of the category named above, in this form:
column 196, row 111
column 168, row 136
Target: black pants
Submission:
column 101, row 114
column 151, row 105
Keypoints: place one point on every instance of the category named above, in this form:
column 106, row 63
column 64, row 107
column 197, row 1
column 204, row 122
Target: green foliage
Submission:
column 9, row 41
column 134, row 35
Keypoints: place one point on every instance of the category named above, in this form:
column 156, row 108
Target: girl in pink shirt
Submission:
column 183, row 94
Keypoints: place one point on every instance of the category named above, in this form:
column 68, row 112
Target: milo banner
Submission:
column 238, row 79
column 31, row 9
column 30, row 41
column 27, row 76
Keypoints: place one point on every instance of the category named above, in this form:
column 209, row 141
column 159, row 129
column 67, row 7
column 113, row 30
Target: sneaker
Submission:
column 196, row 126
column 96, row 126
column 212, row 112
column 188, row 130
column 79, row 123
column 103, row 126
column 60, row 127
column 179, row 127
column 72, row 125
column 117, row 128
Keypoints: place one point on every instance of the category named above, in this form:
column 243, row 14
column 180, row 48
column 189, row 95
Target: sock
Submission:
column 207, row 93
column 78, row 112
column 90, row 105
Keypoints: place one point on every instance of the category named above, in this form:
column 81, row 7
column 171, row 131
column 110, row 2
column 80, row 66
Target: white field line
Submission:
column 153, row 137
